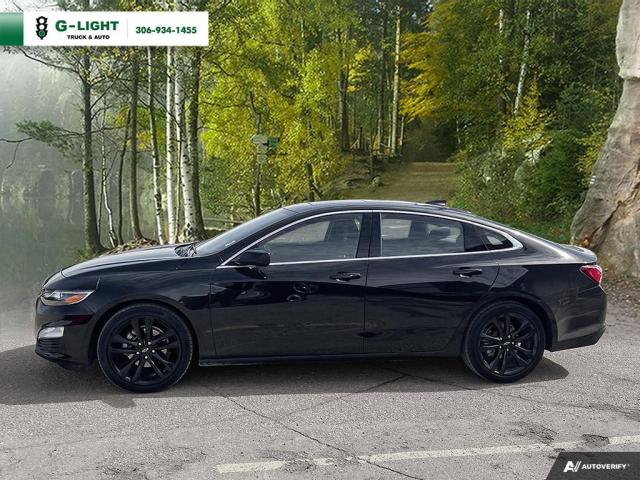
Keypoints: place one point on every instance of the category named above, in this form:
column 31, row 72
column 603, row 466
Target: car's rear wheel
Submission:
column 144, row 348
column 504, row 342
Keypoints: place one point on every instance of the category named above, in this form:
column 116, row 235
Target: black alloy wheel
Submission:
column 145, row 348
column 505, row 341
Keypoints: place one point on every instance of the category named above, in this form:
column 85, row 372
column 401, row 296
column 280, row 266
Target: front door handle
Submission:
column 345, row 276
column 467, row 272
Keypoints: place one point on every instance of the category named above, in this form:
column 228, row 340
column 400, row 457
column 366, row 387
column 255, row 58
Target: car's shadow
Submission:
column 27, row 379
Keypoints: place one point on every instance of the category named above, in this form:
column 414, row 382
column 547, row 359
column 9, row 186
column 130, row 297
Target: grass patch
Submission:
column 414, row 182
column 424, row 181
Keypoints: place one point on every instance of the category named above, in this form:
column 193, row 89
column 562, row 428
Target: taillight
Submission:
column 594, row 272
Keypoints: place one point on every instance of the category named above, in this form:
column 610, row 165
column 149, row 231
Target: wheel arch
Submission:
column 535, row 304
column 104, row 317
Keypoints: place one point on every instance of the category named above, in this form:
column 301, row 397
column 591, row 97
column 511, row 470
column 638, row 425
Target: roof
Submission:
column 331, row 205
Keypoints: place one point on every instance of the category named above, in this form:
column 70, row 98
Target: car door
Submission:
column 424, row 280
column 308, row 301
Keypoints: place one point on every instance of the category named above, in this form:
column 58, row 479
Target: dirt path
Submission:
column 416, row 182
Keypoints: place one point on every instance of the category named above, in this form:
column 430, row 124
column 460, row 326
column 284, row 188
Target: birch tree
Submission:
column 133, row 165
column 395, row 102
column 193, row 140
column 155, row 150
column 383, row 78
column 172, row 222
column 104, row 182
column 186, row 167
column 609, row 219
column 523, row 62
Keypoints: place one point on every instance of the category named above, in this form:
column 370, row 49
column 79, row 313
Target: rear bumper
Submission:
column 582, row 322
column 583, row 341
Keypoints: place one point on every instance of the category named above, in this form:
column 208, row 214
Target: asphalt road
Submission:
column 416, row 419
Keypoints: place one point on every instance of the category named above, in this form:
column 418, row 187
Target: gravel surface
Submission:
column 415, row 419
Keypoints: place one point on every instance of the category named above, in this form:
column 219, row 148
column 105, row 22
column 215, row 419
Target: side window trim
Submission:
column 409, row 219
column 365, row 213
column 376, row 238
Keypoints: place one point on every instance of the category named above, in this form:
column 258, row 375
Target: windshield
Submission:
column 228, row 238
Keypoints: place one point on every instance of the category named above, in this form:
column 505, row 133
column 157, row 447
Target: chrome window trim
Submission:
column 224, row 264
column 516, row 245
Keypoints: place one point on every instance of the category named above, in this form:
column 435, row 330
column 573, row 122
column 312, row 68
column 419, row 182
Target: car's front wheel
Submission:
column 504, row 342
column 144, row 348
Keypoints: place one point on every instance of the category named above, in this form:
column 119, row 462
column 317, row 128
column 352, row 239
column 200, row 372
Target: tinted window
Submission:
column 331, row 237
column 495, row 241
column 228, row 238
column 473, row 241
column 405, row 234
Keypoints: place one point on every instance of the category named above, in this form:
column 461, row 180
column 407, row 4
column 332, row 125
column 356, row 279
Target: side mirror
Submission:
column 256, row 257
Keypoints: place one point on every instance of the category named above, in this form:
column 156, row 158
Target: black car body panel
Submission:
column 364, row 306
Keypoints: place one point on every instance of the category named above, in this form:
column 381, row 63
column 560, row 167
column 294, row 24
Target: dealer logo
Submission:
column 572, row 467
column 41, row 27
column 577, row 466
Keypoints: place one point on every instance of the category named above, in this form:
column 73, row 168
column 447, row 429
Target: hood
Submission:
column 142, row 255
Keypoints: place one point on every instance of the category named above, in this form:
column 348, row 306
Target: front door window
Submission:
column 330, row 237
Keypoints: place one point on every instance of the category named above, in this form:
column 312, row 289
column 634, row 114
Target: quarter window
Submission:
column 494, row 241
column 331, row 237
column 405, row 234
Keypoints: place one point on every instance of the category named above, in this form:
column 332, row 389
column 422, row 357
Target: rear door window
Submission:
column 408, row 235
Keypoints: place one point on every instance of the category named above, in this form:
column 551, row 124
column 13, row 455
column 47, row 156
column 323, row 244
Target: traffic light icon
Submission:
column 41, row 27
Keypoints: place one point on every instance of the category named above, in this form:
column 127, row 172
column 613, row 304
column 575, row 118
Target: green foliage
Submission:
column 534, row 164
column 64, row 141
column 555, row 186
column 286, row 59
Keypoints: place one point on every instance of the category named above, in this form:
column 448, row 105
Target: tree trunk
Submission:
column 257, row 118
column 343, row 86
column 311, row 196
column 133, row 166
column 104, row 182
column 401, row 137
column 609, row 219
column 91, row 236
column 186, row 168
column 343, row 110
column 502, row 96
column 172, row 223
column 382, row 84
column 395, row 104
column 192, row 127
column 155, row 151
column 123, row 152
column 523, row 63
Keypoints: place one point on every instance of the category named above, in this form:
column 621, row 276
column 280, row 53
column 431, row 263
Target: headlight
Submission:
column 64, row 297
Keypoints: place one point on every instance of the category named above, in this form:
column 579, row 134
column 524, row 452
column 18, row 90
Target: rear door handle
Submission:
column 467, row 271
column 345, row 276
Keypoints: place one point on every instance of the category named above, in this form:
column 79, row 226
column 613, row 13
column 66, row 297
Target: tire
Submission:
column 504, row 342
column 144, row 348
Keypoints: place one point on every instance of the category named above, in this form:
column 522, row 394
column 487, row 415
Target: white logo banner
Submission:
column 98, row 29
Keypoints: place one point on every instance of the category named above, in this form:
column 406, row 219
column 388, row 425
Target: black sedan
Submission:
column 326, row 280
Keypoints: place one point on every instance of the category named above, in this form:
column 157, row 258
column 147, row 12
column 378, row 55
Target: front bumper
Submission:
column 73, row 348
